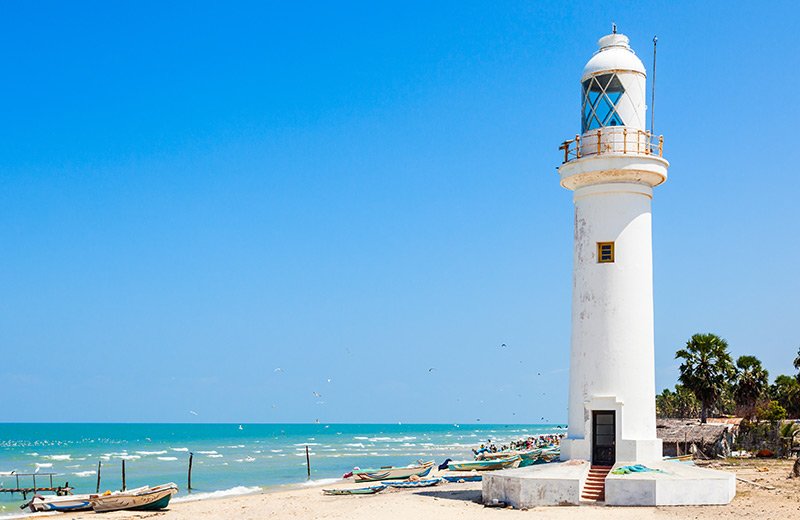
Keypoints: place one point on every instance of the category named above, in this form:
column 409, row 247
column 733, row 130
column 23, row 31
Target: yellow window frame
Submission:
column 605, row 252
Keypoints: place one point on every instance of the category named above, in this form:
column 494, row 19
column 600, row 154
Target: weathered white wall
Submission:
column 612, row 313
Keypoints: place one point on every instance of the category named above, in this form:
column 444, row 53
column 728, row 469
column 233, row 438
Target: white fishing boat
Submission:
column 41, row 503
column 142, row 499
column 392, row 473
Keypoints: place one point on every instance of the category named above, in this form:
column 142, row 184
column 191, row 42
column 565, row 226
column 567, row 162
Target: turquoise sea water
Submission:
column 227, row 460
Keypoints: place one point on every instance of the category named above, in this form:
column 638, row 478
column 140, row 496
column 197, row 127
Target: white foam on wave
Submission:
column 167, row 458
column 212, row 452
column 361, row 438
column 179, row 449
column 355, row 445
column 276, row 451
column 152, row 452
column 214, row 456
column 57, row 457
column 307, row 444
column 222, row 493
column 85, row 473
column 44, row 465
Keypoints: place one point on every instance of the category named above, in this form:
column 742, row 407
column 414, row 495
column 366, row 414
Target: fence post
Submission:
column 191, row 456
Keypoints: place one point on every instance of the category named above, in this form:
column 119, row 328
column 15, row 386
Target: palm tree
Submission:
column 706, row 369
column 797, row 365
column 751, row 381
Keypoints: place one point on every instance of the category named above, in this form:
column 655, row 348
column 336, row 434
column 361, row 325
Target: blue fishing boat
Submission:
column 415, row 483
column 485, row 465
column 462, row 478
column 355, row 491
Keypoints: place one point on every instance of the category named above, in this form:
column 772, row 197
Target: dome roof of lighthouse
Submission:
column 614, row 55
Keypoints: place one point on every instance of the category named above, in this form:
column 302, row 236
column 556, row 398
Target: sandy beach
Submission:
column 462, row 501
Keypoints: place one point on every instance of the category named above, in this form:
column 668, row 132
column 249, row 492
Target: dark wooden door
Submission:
column 603, row 438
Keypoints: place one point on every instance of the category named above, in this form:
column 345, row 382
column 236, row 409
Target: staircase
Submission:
column 595, row 488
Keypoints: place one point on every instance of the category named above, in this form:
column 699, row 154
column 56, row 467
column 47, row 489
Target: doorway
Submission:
column 603, row 438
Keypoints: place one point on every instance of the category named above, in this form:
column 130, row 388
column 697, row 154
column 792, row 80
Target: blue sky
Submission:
column 195, row 195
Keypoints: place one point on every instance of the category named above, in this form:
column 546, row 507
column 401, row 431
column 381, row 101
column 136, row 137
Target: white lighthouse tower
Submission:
column 611, row 167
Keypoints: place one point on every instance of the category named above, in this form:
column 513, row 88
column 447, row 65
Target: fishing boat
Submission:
column 490, row 455
column 41, row 503
column 392, row 473
column 415, row 483
column 142, row 499
column 355, row 491
column 485, row 465
column 463, row 478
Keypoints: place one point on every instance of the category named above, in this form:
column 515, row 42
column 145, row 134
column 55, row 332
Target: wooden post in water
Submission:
column 189, row 487
column 99, row 463
column 308, row 463
column 123, row 475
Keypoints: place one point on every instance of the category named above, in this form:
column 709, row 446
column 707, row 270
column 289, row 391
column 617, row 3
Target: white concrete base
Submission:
column 554, row 484
column 681, row 485
column 560, row 483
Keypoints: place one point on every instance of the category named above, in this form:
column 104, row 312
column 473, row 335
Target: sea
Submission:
column 227, row 459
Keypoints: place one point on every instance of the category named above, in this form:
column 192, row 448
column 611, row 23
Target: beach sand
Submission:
column 461, row 501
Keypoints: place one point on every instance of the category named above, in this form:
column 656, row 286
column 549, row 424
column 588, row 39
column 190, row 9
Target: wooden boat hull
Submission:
column 371, row 475
column 484, row 465
column 463, row 478
column 415, row 483
column 149, row 499
column 357, row 491
column 41, row 503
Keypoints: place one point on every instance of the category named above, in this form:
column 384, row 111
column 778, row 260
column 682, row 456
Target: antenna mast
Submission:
column 653, row 99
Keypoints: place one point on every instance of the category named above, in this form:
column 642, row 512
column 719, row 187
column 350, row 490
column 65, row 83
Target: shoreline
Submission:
column 460, row 501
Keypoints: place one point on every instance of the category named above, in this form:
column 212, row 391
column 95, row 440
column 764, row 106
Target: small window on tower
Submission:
column 605, row 252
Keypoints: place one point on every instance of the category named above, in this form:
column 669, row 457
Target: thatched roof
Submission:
column 689, row 430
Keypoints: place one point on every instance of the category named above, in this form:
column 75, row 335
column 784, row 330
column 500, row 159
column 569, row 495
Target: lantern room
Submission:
column 613, row 87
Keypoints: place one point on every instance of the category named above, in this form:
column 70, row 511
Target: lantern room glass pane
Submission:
column 601, row 94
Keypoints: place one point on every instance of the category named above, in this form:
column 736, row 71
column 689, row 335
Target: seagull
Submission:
column 192, row 412
column 316, row 394
column 278, row 370
column 329, row 380
column 431, row 369
column 273, row 406
column 503, row 345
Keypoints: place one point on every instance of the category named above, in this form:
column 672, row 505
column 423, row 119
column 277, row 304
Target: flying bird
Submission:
column 503, row 345
column 316, row 394
column 278, row 370
column 192, row 412
column 329, row 380
column 431, row 369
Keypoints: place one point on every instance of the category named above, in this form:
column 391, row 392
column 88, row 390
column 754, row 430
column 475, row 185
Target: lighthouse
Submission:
column 611, row 167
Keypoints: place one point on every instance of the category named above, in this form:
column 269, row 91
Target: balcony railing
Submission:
column 616, row 140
